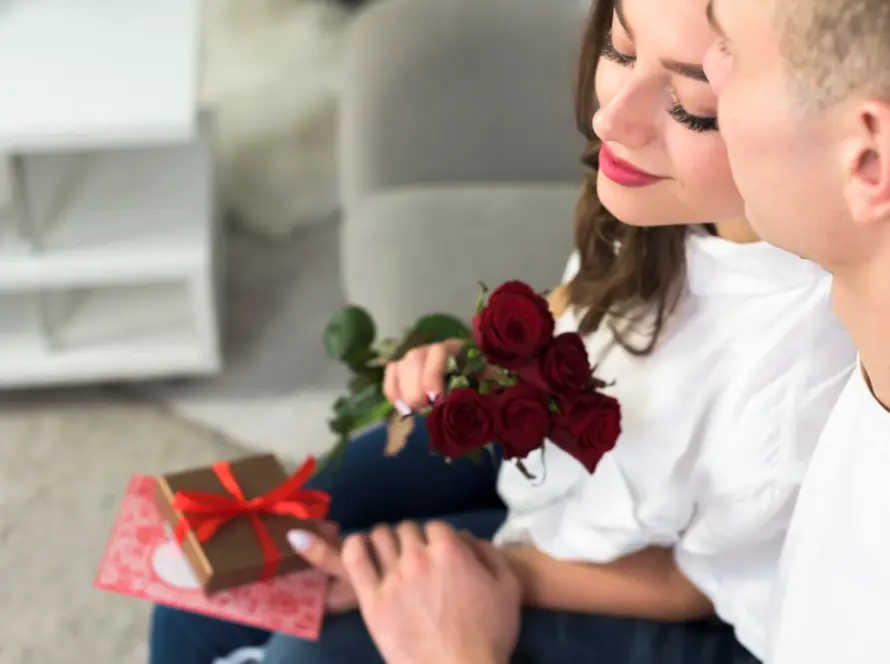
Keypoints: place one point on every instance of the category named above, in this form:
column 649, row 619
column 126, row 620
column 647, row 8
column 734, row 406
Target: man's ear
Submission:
column 868, row 164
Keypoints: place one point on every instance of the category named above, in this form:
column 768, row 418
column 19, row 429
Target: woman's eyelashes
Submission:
column 696, row 123
column 609, row 52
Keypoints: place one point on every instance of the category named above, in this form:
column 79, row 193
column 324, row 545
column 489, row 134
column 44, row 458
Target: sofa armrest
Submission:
column 460, row 91
column 416, row 250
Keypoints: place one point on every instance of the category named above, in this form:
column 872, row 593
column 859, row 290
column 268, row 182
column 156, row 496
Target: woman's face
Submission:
column 662, row 161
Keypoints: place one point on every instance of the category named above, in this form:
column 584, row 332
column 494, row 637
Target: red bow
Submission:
column 205, row 513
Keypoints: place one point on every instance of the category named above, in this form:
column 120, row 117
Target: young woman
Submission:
column 726, row 358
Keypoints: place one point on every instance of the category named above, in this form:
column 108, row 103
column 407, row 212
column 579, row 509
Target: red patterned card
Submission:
column 143, row 560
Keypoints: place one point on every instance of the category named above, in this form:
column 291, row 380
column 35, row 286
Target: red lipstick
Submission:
column 623, row 172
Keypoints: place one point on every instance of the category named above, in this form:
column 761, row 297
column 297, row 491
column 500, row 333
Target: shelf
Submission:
column 118, row 216
column 102, row 334
column 95, row 73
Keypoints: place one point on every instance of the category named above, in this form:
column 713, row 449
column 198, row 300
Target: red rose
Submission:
column 515, row 325
column 564, row 368
column 461, row 421
column 587, row 426
column 523, row 420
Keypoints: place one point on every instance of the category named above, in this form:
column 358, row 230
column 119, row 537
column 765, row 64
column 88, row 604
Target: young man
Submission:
column 804, row 110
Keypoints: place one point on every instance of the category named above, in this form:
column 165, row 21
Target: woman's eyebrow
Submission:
column 686, row 69
column 695, row 72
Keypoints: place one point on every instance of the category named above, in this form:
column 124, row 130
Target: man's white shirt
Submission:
column 832, row 601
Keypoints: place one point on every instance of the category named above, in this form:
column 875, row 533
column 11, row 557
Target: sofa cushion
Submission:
column 413, row 250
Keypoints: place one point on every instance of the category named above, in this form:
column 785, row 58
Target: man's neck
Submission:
column 736, row 230
column 861, row 298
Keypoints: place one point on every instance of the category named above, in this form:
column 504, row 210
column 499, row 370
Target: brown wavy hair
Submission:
column 630, row 276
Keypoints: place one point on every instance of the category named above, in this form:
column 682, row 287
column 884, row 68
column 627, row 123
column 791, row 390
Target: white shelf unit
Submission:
column 114, row 274
column 123, row 285
column 102, row 73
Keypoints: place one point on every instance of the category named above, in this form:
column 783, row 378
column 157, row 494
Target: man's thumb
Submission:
column 318, row 552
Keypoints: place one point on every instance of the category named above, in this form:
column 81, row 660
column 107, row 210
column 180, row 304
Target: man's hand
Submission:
column 433, row 596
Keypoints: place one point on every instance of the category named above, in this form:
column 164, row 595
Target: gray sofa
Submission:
column 459, row 152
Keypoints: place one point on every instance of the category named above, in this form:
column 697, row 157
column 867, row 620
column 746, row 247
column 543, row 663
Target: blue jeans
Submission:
column 368, row 488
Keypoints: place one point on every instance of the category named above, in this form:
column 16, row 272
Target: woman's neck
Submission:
column 736, row 230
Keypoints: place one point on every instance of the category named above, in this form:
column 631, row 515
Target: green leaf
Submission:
column 358, row 359
column 387, row 348
column 358, row 410
column 458, row 382
column 483, row 296
column 349, row 332
column 364, row 401
column 342, row 424
column 375, row 415
column 461, row 360
column 475, row 365
column 476, row 456
column 412, row 340
column 441, row 327
column 368, row 376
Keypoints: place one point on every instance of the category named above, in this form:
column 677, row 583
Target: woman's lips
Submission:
column 623, row 172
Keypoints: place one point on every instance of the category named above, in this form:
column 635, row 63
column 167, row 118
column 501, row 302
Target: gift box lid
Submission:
column 97, row 73
column 233, row 555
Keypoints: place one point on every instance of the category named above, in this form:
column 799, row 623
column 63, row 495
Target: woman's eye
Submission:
column 611, row 53
column 696, row 123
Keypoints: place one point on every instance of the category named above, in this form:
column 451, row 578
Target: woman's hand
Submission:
column 415, row 380
column 324, row 554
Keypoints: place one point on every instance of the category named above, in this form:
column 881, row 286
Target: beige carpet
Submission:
column 64, row 460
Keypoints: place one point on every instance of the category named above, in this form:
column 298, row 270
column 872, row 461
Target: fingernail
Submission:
column 432, row 396
column 403, row 408
column 299, row 539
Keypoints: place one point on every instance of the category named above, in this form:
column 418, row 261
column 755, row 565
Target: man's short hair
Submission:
column 836, row 48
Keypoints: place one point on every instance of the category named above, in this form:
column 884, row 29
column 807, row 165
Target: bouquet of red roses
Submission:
column 515, row 383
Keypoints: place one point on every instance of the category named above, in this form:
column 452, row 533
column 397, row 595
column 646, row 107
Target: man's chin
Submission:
column 777, row 241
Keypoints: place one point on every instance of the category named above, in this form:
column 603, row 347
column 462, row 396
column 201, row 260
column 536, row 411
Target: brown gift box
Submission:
column 232, row 556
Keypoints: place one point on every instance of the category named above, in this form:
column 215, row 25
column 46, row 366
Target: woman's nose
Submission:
column 628, row 118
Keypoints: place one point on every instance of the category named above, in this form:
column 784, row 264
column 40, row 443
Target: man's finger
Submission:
column 360, row 567
column 319, row 553
column 439, row 533
column 386, row 547
column 489, row 556
column 411, row 539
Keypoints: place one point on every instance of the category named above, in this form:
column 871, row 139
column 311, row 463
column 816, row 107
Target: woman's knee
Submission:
column 344, row 640
column 182, row 637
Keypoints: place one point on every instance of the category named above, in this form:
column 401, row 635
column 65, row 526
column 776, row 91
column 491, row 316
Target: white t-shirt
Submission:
column 718, row 424
column 832, row 602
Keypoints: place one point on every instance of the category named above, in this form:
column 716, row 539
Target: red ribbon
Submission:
column 204, row 513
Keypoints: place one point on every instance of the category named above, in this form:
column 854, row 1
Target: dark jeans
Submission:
column 368, row 488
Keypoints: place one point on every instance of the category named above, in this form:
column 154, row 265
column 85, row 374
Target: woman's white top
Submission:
column 719, row 423
column 833, row 600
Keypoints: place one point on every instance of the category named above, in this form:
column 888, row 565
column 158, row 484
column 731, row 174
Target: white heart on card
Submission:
column 172, row 567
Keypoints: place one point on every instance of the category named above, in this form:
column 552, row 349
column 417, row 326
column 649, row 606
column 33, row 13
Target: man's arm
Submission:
column 647, row 584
